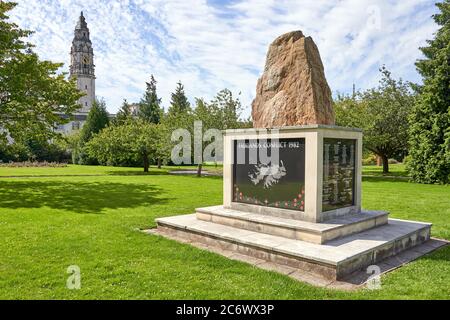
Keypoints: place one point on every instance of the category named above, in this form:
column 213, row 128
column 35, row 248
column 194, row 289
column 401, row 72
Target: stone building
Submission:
column 83, row 69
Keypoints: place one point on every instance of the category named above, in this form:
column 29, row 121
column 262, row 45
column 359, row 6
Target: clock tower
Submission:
column 82, row 64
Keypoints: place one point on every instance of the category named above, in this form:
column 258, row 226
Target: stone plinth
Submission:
column 292, row 197
column 318, row 157
column 293, row 228
column 333, row 260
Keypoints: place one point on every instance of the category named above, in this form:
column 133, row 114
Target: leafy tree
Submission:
column 382, row 113
column 209, row 114
column 34, row 97
column 229, row 109
column 97, row 119
column 429, row 160
column 51, row 151
column 173, row 121
column 162, row 147
column 124, row 114
column 149, row 106
column 31, row 149
column 136, row 140
column 179, row 102
column 13, row 152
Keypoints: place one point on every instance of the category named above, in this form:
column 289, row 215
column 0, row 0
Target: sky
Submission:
column 209, row 45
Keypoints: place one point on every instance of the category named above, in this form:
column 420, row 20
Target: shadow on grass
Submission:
column 80, row 197
column 137, row 173
column 385, row 179
column 377, row 171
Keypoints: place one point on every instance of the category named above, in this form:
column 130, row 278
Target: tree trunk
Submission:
column 159, row 163
column 199, row 170
column 385, row 160
column 146, row 162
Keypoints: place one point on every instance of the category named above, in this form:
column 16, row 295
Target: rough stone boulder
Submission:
column 293, row 89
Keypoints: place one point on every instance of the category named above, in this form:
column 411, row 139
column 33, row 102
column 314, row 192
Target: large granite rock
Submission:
column 293, row 89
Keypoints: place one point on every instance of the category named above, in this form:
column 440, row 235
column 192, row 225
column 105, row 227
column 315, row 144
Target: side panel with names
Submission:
column 338, row 189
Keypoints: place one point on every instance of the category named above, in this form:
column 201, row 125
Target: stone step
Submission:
column 292, row 228
column 333, row 260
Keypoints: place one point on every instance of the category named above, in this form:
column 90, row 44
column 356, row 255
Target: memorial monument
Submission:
column 292, row 184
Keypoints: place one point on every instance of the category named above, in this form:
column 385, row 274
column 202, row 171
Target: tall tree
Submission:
column 150, row 105
column 382, row 113
column 228, row 107
column 430, row 119
column 124, row 114
column 179, row 103
column 96, row 121
column 34, row 97
column 207, row 114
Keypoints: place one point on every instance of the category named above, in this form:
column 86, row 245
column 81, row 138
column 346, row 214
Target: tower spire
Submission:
column 82, row 63
column 81, row 24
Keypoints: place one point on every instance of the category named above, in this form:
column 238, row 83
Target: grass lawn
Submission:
column 395, row 170
column 48, row 223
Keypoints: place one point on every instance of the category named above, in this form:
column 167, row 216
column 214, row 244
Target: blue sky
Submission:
column 210, row 45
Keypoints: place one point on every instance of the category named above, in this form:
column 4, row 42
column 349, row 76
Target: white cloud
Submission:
column 212, row 46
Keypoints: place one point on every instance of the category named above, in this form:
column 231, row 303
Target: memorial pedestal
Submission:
column 302, row 210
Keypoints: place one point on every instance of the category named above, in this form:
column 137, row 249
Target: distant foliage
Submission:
column 429, row 160
column 33, row 149
column 136, row 141
column 228, row 109
column 179, row 103
column 382, row 113
column 370, row 160
column 123, row 115
column 150, row 105
column 97, row 120
column 33, row 94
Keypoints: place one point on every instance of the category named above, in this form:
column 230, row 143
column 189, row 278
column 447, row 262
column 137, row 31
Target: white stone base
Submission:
column 333, row 260
column 292, row 228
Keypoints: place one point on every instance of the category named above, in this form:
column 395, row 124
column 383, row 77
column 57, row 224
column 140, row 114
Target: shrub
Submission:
column 370, row 160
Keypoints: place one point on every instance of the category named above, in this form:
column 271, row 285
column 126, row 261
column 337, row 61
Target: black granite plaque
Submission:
column 259, row 182
column 338, row 173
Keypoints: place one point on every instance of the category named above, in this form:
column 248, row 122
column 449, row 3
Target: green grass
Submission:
column 77, row 170
column 395, row 170
column 49, row 223
column 71, row 170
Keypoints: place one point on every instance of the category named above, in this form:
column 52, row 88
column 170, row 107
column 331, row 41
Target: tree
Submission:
column 430, row 120
column 162, row 147
column 136, row 140
column 229, row 109
column 123, row 115
column 97, row 119
column 179, row 102
column 382, row 113
column 149, row 106
column 34, row 97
